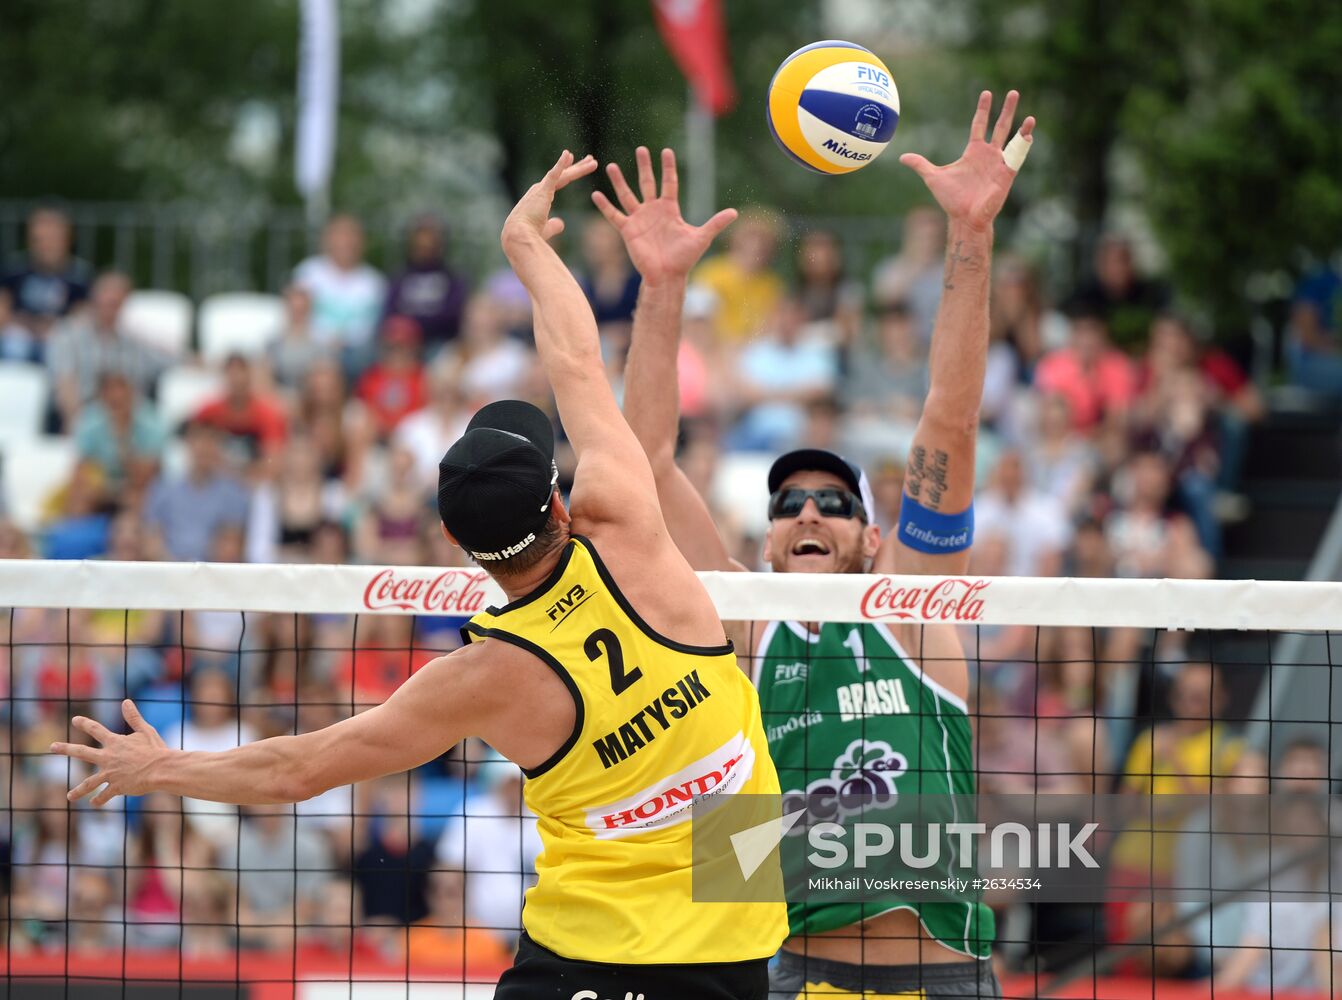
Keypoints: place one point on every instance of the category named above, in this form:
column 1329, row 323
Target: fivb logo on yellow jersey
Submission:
column 567, row 604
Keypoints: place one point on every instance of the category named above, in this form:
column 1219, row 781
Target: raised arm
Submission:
column 664, row 248
column 570, row 351
column 936, row 520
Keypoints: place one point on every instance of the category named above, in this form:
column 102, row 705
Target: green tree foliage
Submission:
column 1243, row 156
column 936, row 101
column 138, row 99
column 457, row 103
column 1218, row 119
column 598, row 79
column 132, row 98
column 1230, row 109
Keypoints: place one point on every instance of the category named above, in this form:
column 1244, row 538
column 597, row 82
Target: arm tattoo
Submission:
column 916, row 472
column 957, row 259
column 937, row 474
column 921, row 474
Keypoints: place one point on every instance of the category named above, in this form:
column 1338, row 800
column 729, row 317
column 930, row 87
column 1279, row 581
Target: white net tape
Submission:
column 1056, row 601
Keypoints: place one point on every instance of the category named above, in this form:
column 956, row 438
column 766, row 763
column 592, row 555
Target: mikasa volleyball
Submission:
column 833, row 107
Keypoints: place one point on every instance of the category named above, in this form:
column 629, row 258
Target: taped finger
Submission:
column 1017, row 150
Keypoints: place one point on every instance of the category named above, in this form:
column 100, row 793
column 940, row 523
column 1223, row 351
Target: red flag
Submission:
column 697, row 39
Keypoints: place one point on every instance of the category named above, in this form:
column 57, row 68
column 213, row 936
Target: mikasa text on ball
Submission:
column 833, row 107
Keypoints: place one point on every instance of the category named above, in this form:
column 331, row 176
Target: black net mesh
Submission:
column 413, row 884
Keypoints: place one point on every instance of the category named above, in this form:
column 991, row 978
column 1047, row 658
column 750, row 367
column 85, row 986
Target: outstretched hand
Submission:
column 974, row 188
column 530, row 217
column 122, row 762
column 662, row 245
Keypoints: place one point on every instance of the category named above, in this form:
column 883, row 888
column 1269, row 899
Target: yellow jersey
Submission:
column 659, row 724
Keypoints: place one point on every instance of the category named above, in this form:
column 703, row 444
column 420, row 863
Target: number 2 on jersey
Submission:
column 620, row 680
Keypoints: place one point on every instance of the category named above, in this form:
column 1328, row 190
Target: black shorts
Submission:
column 540, row 974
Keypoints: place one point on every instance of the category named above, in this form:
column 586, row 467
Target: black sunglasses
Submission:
column 830, row 501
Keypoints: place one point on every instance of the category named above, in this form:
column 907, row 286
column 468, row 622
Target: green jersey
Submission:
column 848, row 706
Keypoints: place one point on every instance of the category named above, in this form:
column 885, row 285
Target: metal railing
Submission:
column 201, row 250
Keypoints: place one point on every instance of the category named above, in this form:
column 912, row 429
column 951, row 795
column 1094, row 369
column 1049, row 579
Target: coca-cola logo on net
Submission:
column 453, row 591
column 953, row 599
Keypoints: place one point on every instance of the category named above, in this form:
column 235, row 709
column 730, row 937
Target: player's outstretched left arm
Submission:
column 442, row 703
column 609, row 455
column 935, row 526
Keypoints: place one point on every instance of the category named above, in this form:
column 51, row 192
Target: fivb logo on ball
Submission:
column 833, row 107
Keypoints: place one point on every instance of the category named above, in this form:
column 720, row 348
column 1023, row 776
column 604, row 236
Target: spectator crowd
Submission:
column 1113, row 431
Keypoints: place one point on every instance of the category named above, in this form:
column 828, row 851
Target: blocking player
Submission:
column 884, row 703
column 607, row 677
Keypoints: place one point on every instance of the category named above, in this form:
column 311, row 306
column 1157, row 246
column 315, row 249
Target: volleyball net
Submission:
column 1159, row 698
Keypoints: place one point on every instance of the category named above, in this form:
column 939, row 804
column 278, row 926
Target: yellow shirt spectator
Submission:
column 746, row 301
column 1165, row 761
column 748, row 291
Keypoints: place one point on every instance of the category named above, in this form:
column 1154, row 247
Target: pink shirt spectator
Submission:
column 1109, row 383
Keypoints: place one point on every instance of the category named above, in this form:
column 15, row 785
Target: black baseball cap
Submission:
column 496, row 482
column 820, row 460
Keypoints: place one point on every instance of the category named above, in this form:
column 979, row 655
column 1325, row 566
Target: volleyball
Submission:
column 833, row 107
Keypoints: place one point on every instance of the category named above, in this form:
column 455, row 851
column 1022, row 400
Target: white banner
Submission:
column 1166, row 604
column 318, row 97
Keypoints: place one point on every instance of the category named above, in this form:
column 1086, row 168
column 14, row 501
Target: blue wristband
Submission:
column 929, row 531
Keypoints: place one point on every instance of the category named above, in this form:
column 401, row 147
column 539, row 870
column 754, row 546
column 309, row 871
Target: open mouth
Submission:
column 809, row 547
